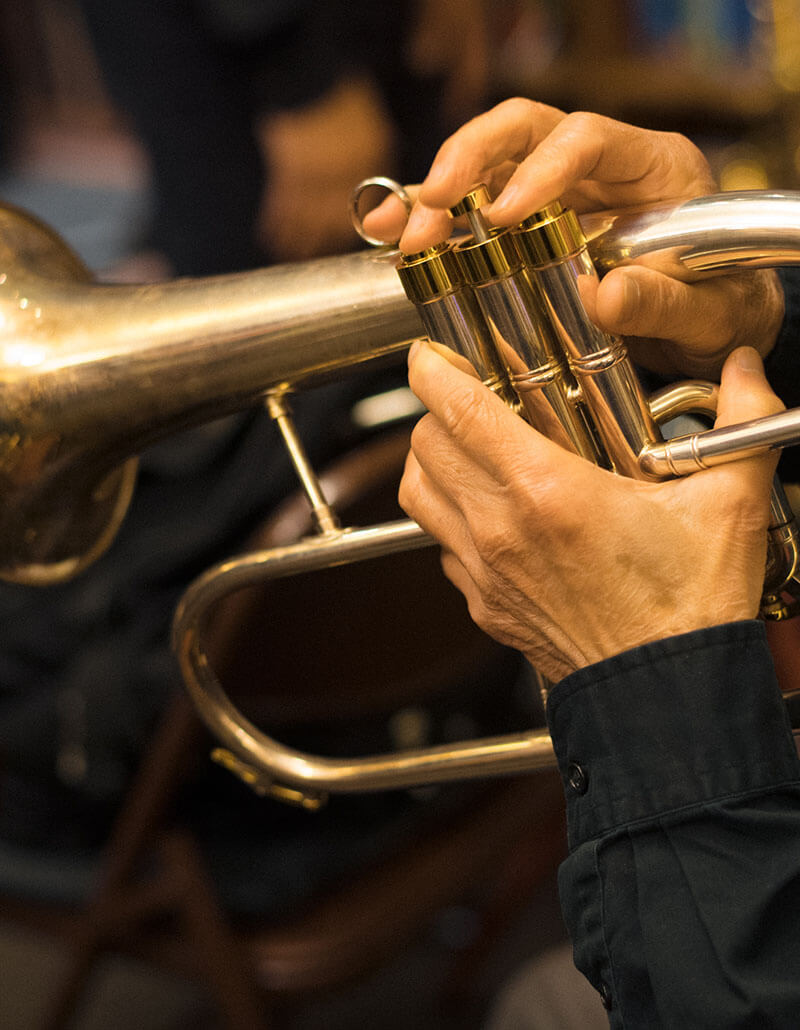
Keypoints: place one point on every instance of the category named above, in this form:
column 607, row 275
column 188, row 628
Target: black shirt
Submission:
column 682, row 888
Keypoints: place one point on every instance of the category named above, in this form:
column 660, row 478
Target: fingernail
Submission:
column 747, row 359
column 630, row 296
column 507, row 197
column 413, row 350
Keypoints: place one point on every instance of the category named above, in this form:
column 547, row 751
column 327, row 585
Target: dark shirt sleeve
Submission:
column 783, row 362
column 682, row 887
column 782, row 365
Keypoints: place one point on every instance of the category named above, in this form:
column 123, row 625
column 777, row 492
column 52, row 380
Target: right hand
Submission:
column 563, row 560
column 530, row 154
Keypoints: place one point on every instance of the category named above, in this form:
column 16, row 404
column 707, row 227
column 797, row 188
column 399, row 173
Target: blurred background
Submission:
column 202, row 137
column 74, row 114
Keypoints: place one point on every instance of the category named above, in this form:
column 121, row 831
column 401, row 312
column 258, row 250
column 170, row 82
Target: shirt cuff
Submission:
column 674, row 723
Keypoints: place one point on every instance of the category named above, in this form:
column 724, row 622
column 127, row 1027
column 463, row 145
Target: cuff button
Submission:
column 577, row 778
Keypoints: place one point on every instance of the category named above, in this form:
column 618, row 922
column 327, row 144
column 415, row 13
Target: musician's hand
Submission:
column 563, row 560
column 530, row 154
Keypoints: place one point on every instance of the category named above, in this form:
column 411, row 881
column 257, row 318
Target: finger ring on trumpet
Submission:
column 382, row 182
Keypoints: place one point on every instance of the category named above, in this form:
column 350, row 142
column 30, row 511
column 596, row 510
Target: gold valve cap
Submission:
column 550, row 235
column 429, row 273
column 477, row 198
column 484, row 260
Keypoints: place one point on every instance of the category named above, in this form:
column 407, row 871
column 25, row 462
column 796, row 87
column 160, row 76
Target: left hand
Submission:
column 563, row 560
column 530, row 154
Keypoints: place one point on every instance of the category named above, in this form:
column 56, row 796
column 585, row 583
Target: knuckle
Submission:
column 517, row 107
column 736, row 507
column 686, row 151
column 420, row 434
column 480, row 612
column 470, row 411
column 493, row 542
column 406, row 495
column 583, row 122
column 685, row 161
column 675, row 305
column 408, row 490
column 551, row 505
column 480, row 615
column 425, row 436
column 493, row 619
column 576, row 145
column 585, row 129
column 757, row 295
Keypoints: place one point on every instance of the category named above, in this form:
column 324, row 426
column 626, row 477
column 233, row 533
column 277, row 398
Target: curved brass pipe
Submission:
column 270, row 767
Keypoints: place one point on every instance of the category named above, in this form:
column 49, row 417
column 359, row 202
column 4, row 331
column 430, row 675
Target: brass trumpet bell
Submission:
column 59, row 511
column 90, row 374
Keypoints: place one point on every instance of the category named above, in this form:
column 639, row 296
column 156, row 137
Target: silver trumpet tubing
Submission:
column 90, row 374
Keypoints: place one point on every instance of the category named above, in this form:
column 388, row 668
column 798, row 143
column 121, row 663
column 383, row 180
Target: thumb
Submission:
column 744, row 392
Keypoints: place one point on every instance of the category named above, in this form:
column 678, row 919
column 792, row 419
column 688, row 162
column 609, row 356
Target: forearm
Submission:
column 685, row 845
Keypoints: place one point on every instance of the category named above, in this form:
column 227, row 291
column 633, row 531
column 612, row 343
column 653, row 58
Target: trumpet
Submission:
column 93, row 373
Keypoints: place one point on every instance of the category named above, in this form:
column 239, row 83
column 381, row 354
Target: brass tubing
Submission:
column 686, row 454
column 265, row 762
column 738, row 229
